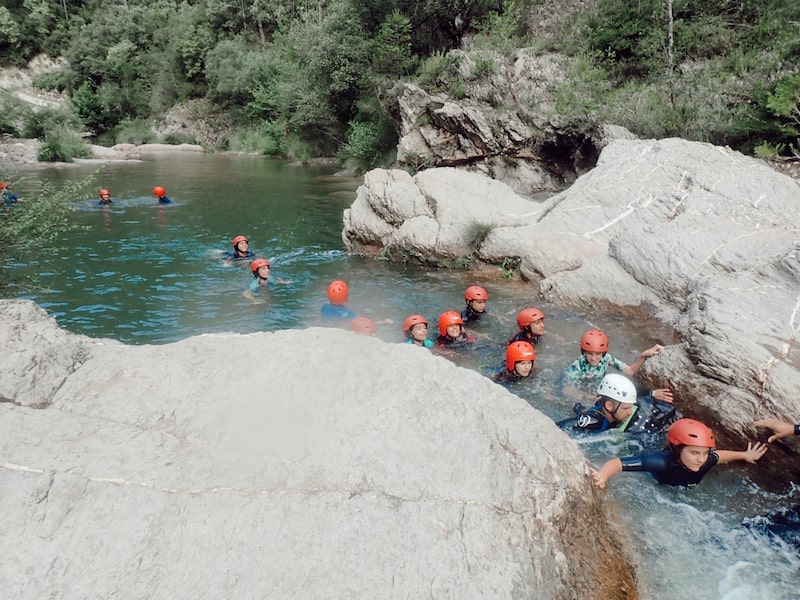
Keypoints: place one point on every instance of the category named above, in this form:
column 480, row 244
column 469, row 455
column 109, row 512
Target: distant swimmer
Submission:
column 475, row 297
column 415, row 327
column 161, row 194
column 241, row 249
column 335, row 308
column 452, row 335
column 520, row 357
column 531, row 326
column 105, row 197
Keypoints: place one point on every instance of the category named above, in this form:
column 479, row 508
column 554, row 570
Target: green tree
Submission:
column 392, row 55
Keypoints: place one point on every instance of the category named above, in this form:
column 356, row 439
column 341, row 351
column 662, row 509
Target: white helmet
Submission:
column 617, row 387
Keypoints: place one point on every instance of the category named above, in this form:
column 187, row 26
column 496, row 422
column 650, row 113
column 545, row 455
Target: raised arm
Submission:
column 752, row 454
column 632, row 369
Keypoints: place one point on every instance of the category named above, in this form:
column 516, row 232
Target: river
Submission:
column 144, row 273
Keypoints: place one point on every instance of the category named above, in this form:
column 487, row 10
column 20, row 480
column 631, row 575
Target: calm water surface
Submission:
column 144, row 273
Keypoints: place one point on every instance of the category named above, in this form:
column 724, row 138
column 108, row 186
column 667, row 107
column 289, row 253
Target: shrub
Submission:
column 51, row 81
column 62, row 145
column 134, row 131
column 362, row 148
column 40, row 122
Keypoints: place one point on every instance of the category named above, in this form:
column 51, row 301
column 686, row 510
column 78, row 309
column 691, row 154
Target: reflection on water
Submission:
column 144, row 273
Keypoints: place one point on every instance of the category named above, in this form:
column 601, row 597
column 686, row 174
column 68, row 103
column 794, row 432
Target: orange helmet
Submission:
column 412, row 320
column 527, row 316
column 3, row 185
column 104, row 192
column 594, row 340
column 239, row 238
column 475, row 292
column 159, row 191
column 337, row 292
column 688, row 432
column 449, row 317
column 519, row 351
column 257, row 264
column 362, row 326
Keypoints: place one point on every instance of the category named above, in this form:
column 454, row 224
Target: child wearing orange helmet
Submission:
column 531, row 326
column 241, row 249
column 160, row 193
column 8, row 197
column 105, row 197
column 475, row 297
column 595, row 359
column 415, row 327
column 451, row 332
column 260, row 269
column 335, row 309
column 520, row 357
column 689, row 455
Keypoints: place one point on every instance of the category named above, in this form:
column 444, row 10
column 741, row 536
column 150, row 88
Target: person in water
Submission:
column 335, row 309
column 363, row 326
column 475, row 297
column 241, row 249
column 105, row 197
column 415, row 327
column 161, row 194
column 8, row 197
column 531, row 326
column 595, row 359
column 260, row 269
column 781, row 429
column 614, row 404
column 520, row 357
column 452, row 334
column 689, row 456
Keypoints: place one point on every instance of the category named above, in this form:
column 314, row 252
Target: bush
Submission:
column 266, row 138
column 39, row 123
column 13, row 114
column 134, row 131
column 363, row 146
column 62, row 145
column 51, row 81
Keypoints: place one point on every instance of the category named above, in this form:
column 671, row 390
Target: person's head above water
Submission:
column 260, row 268
column 159, row 191
column 617, row 395
column 475, row 297
column 451, row 324
column 594, row 345
column 240, row 244
column 690, row 442
column 416, row 327
column 105, row 195
column 531, row 320
column 363, row 326
column 520, row 357
column 337, row 292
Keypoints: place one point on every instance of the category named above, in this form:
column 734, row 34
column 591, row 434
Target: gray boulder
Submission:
column 701, row 236
column 180, row 471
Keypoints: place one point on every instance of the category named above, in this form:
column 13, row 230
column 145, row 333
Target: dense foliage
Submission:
column 311, row 77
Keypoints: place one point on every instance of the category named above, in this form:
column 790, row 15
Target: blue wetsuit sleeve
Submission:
column 655, row 463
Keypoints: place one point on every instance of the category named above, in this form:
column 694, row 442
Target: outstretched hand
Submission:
column 652, row 351
column 782, row 429
column 754, row 452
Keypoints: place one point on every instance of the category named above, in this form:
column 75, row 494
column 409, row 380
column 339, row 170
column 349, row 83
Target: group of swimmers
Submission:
column 690, row 451
column 158, row 191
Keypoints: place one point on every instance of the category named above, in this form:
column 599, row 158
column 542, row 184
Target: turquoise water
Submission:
column 143, row 273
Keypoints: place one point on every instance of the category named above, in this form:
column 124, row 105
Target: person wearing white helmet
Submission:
column 615, row 402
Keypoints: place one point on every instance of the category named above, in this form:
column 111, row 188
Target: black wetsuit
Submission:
column 523, row 336
column 667, row 469
column 470, row 316
column 506, row 376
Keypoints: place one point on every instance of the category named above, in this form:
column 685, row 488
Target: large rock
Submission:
column 702, row 236
column 181, row 471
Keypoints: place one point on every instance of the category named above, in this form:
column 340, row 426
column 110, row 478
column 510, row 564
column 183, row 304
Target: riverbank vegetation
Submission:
column 306, row 78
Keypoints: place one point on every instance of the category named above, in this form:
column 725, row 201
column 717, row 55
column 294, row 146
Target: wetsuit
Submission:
column 506, row 376
column 164, row 200
column 523, row 336
column 255, row 285
column 581, row 370
column 101, row 203
column 9, row 198
column 464, row 340
column 425, row 344
column 237, row 256
column 337, row 311
column 470, row 316
column 667, row 469
column 592, row 419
